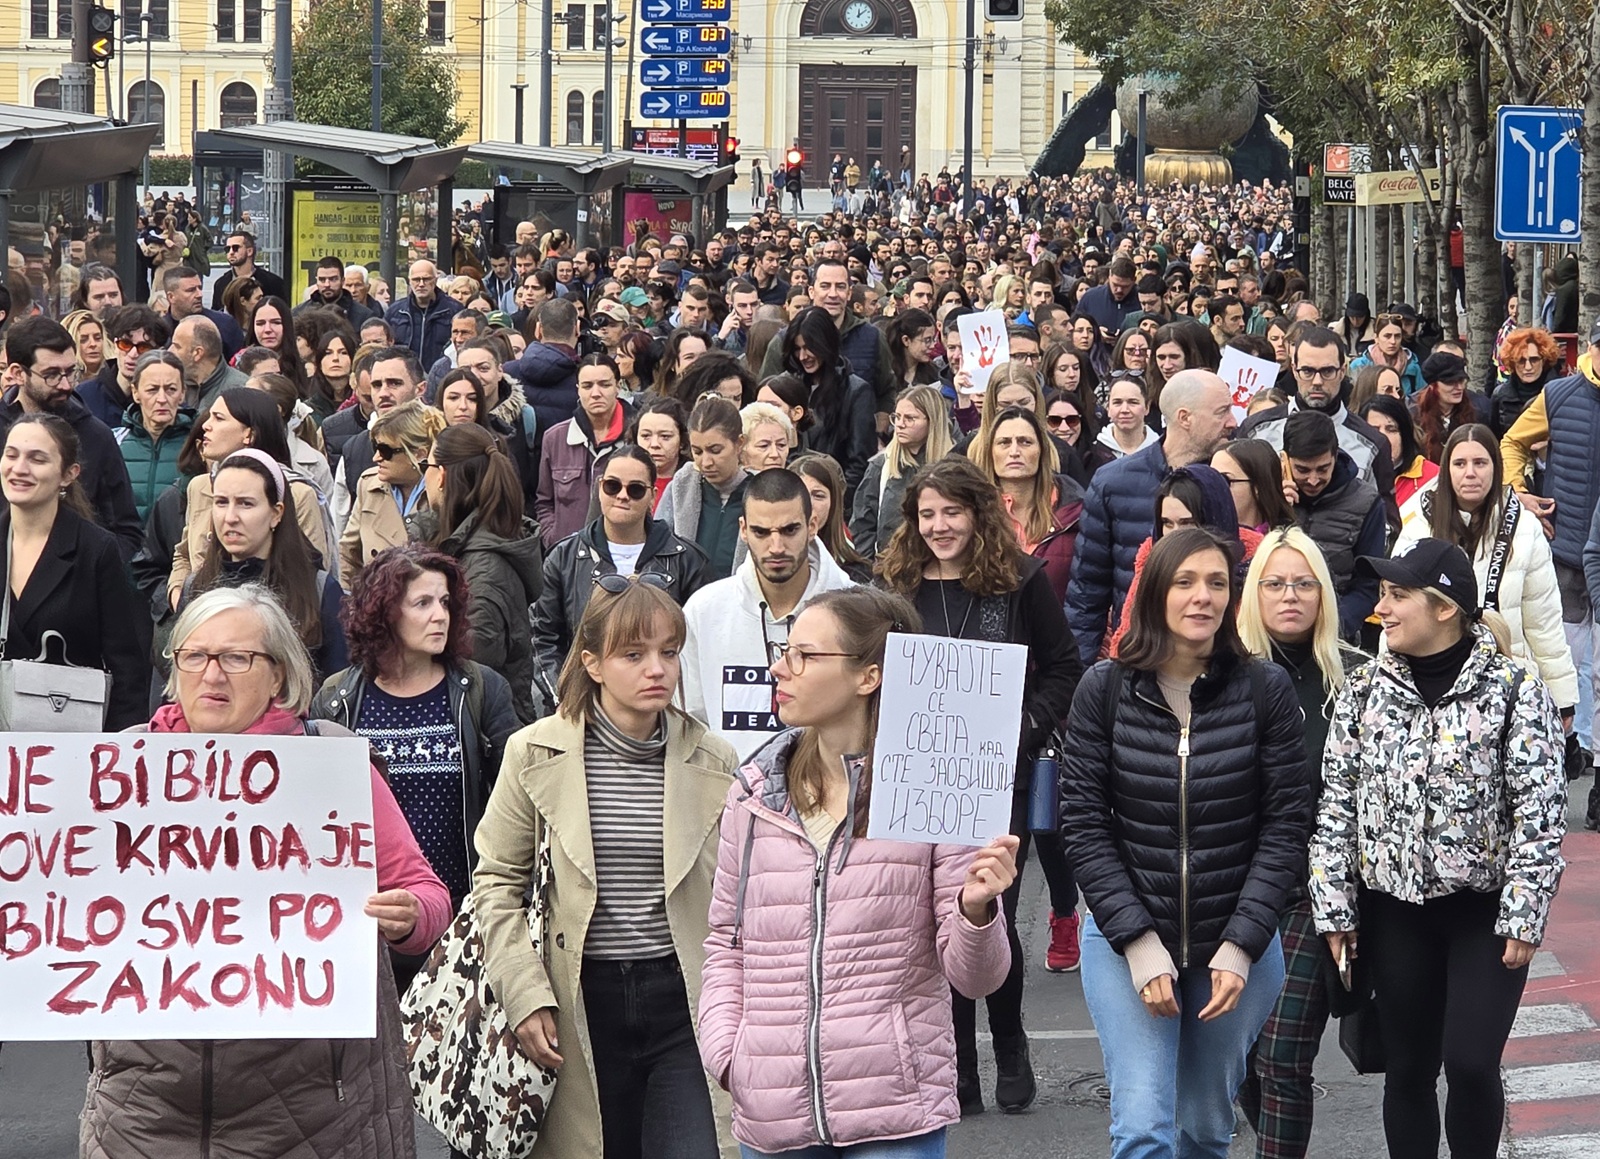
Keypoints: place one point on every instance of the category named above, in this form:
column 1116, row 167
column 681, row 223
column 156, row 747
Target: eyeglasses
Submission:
column 796, row 658
column 52, row 377
column 233, row 663
column 1302, row 587
column 614, row 487
column 387, row 451
column 128, row 346
column 1313, row 373
column 1027, row 356
column 616, row 584
column 1531, row 360
column 1063, row 420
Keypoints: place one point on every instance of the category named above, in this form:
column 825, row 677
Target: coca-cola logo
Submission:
column 1397, row 185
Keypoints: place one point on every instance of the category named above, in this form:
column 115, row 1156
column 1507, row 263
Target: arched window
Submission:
column 47, row 93
column 575, row 117
column 597, row 119
column 141, row 111
column 859, row 18
column 238, row 105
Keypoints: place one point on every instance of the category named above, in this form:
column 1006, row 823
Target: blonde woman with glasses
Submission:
column 922, row 434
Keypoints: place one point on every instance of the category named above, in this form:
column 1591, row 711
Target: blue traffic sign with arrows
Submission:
column 1538, row 174
column 685, row 40
column 684, row 11
column 684, row 104
column 684, row 72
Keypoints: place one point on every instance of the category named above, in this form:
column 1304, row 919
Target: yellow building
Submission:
column 862, row 78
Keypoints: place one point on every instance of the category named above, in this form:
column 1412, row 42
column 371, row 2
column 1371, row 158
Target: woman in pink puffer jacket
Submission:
column 825, row 1001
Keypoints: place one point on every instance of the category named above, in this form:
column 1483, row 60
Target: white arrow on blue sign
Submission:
column 684, row 104
column 1538, row 174
column 684, row 11
column 684, row 72
column 685, row 40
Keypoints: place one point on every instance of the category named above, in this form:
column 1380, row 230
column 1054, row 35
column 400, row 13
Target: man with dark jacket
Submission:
column 1118, row 513
column 185, row 299
column 548, row 368
column 241, row 255
column 1341, row 512
column 43, row 354
column 332, row 295
column 421, row 320
column 1110, row 304
column 131, row 332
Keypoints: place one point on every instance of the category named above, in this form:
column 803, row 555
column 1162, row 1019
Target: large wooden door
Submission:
column 865, row 113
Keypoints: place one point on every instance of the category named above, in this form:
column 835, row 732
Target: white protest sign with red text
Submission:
column 176, row 885
column 1245, row 374
column 984, row 345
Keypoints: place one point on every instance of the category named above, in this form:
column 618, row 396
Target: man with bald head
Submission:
column 206, row 373
column 421, row 320
column 1118, row 511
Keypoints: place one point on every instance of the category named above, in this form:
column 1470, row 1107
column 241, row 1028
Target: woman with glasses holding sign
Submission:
column 238, row 666
column 475, row 516
column 624, row 541
column 957, row 558
column 624, row 792
column 824, row 1010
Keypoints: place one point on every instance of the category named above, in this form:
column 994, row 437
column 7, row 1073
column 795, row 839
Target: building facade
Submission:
column 861, row 78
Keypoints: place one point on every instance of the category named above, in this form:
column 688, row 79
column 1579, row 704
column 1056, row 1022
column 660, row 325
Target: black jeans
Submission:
column 1005, row 1004
column 646, row 1062
column 1444, row 998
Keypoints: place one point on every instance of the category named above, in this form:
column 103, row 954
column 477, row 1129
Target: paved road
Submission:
column 1552, row 1062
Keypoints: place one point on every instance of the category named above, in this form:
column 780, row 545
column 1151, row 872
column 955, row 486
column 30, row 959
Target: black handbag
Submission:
column 1361, row 1039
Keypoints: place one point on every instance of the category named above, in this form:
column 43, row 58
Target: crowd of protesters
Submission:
column 618, row 538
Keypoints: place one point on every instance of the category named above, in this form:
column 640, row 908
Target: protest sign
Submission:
column 984, row 346
column 1245, row 374
column 175, row 885
column 949, row 726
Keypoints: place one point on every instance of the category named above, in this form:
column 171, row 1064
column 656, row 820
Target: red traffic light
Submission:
column 794, row 156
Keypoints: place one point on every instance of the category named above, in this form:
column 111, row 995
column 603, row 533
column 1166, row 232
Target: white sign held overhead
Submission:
column 949, row 729
column 984, row 346
column 173, row 885
column 1245, row 374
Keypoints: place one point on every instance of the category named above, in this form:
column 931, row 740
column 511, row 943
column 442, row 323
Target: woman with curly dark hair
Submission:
column 956, row 557
column 438, row 720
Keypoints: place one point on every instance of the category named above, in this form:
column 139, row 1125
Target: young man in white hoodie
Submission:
column 734, row 622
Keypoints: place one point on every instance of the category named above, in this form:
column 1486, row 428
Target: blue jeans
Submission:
column 1173, row 1079
column 929, row 1146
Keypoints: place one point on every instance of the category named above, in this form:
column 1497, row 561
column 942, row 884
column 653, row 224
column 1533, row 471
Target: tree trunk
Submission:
column 1429, row 291
column 1379, row 267
column 1324, row 272
column 1529, row 299
column 1474, row 159
column 1589, row 213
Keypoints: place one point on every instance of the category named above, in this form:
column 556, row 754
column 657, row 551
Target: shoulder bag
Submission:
column 469, row 1078
column 37, row 696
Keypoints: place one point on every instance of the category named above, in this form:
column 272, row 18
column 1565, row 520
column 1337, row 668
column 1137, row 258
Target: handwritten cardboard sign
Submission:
column 1245, row 374
column 175, row 885
column 984, row 345
column 949, row 726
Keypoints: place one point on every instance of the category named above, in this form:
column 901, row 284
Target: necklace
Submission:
column 944, row 602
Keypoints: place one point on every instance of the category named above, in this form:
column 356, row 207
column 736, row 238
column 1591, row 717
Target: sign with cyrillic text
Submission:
column 178, row 885
column 949, row 726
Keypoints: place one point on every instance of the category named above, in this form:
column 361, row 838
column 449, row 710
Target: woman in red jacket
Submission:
column 1019, row 458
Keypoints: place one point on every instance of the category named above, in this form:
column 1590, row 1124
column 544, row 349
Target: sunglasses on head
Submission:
column 617, row 584
column 614, row 487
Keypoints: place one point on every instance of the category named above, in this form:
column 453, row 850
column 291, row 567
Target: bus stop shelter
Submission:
column 585, row 175
column 43, row 149
column 699, row 179
column 385, row 162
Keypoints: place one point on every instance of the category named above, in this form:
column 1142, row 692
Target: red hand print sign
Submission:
column 984, row 345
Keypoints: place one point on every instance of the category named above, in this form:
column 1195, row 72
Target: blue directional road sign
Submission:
column 684, row 11
column 684, row 104
column 684, row 72
column 685, row 40
column 1538, row 184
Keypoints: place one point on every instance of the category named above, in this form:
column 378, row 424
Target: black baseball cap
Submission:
column 1434, row 565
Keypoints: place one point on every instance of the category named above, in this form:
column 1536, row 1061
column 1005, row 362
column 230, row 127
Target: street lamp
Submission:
column 144, row 24
column 610, row 89
column 519, row 88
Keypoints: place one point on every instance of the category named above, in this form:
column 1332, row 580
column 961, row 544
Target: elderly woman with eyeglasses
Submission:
column 391, row 494
column 238, row 666
column 624, row 541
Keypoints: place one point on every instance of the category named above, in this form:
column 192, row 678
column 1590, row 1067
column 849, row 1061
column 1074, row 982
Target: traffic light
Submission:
column 102, row 35
column 794, row 158
column 1002, row 10
column 730, row 151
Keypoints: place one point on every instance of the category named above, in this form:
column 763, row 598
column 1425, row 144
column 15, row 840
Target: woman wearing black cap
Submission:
column 1445, row 403
column 1444, row 797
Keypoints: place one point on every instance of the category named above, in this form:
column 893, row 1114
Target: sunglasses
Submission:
column 617, row 584
column 128, row 346
column 387, row 451
column 1063, row 420
column 614, row 487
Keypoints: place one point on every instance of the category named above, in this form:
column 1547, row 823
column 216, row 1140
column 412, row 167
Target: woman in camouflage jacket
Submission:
column 1438, row 837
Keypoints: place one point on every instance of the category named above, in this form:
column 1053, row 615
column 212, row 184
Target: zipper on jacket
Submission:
column 819, row 898
column 1183, row 846
column 336, row 1055
column 206, row 1078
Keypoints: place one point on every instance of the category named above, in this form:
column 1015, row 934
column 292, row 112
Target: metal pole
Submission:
column 546, row 50
column 388, row 237
column 144, row 20
column 605, row 132
column 77, row 76
column 520, row 88
column 377, row 69
column 1139, row 138
column 970, row 66
column 122, row 75
column 275, row 168
column 627, row 88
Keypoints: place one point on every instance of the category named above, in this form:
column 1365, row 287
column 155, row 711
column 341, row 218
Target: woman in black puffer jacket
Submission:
column 1186, row 808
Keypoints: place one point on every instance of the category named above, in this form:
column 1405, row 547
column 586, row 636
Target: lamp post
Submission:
column 612, row 42
column 519, row 89
column 144, row 24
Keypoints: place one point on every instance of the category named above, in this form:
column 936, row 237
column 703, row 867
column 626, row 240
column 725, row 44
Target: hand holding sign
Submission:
column 984, row 345
column 991, row 873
